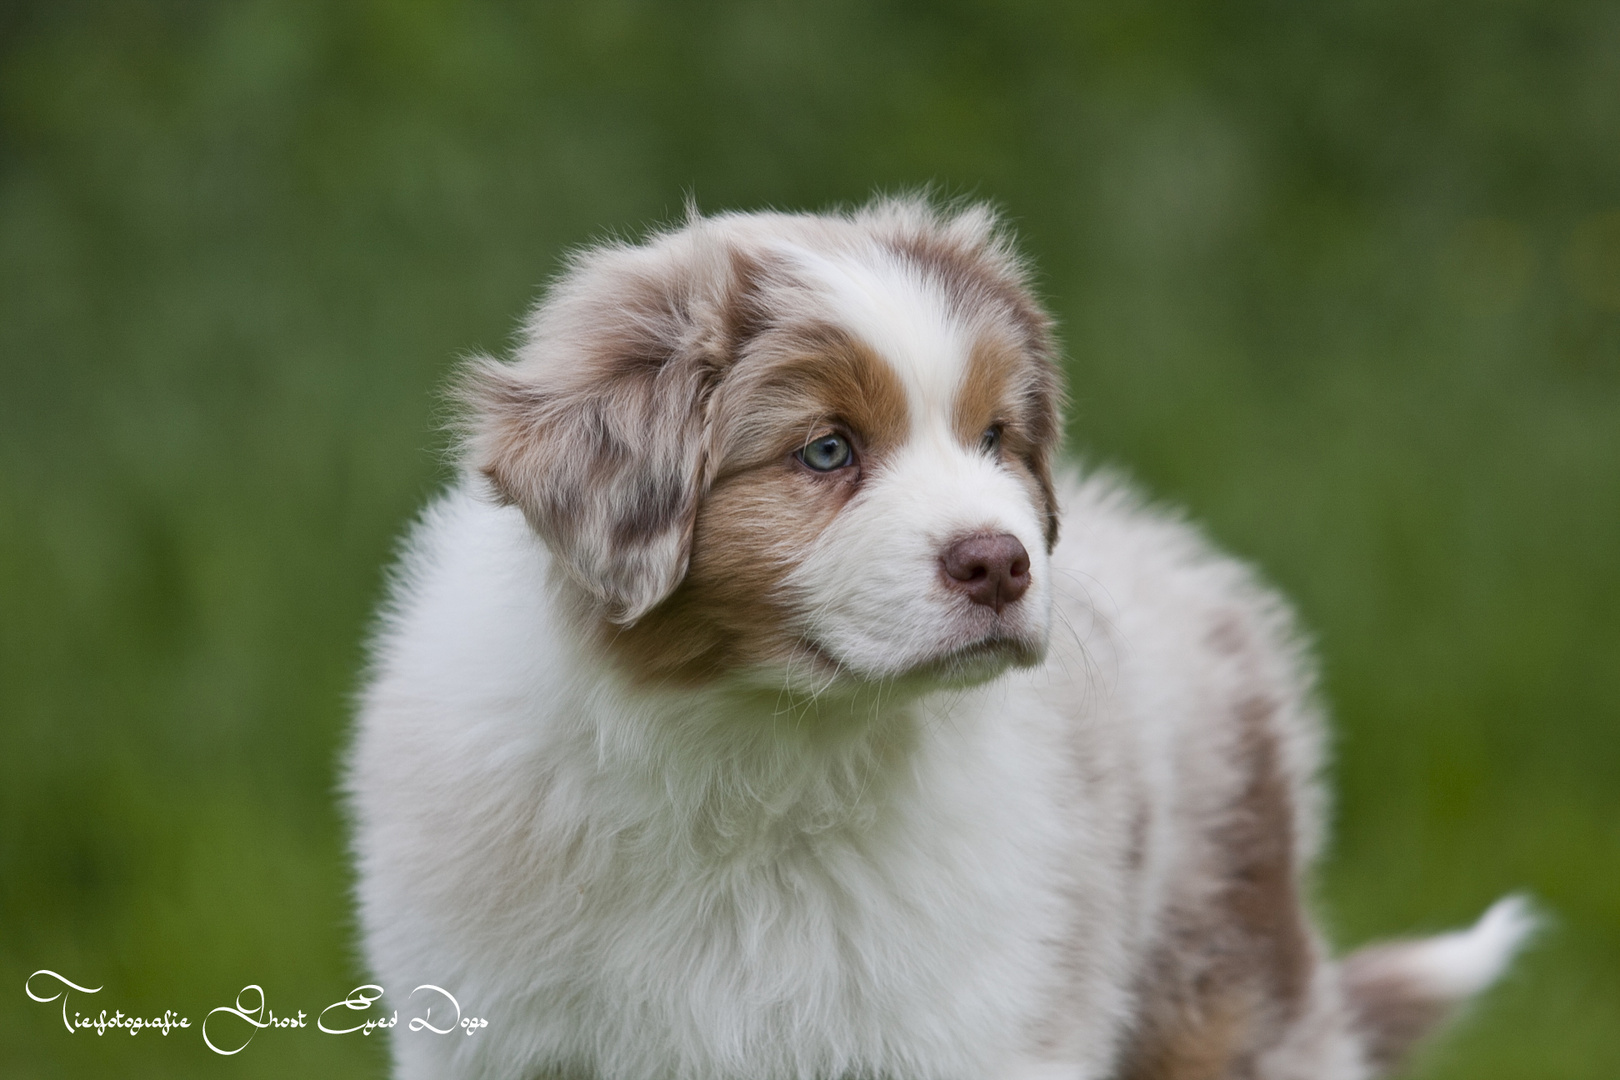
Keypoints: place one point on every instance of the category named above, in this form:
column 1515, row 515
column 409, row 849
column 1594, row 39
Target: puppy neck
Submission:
column 752, row 761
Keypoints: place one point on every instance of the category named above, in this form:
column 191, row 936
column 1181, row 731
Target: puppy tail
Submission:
column 1400, row 991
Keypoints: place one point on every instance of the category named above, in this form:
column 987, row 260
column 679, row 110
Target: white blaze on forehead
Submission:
column 902, row 316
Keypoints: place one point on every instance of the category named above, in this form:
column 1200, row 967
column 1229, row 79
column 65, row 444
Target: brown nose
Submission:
column 992, row 570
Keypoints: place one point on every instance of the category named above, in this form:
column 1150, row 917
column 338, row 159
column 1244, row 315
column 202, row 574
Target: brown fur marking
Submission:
column 1263, row 887
column 1004, row 385
column 1392, row 1013
column 799, row 382
column 1226, row 636
column 1235, row 968
column 974, row 275
column 1207, row 1044
column 763, row 509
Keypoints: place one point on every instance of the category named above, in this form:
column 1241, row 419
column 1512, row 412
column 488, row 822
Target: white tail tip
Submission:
column 1462, row 963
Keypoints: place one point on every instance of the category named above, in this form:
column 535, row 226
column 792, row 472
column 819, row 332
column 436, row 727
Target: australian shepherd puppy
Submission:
column 765, row 702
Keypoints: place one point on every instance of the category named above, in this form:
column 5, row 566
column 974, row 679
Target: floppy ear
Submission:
column 597, row 431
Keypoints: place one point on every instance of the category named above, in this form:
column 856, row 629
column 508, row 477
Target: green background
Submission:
column 1342, row 278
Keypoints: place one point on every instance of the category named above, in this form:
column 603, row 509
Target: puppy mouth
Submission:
column 984, row 658
column 976, row 661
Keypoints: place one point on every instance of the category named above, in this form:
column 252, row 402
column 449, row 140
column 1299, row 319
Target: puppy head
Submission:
column 791, row 445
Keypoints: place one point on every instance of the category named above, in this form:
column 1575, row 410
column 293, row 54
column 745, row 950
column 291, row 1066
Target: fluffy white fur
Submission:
column 855, row 862
column 1462, row 963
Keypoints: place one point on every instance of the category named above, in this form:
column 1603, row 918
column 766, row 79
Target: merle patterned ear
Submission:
column 597, row 430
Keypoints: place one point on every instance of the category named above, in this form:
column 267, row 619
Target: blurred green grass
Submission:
column 1344, row 279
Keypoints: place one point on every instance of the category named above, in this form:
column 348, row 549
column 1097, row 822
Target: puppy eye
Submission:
column 827, row 453
column 990, row 441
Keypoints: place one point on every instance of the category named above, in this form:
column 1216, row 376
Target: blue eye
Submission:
column 990, row 441
column 827, row 453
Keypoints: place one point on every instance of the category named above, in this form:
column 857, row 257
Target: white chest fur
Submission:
column 720, row 886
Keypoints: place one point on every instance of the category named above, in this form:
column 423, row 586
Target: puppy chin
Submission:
column 970, row 658
column 982, row 660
